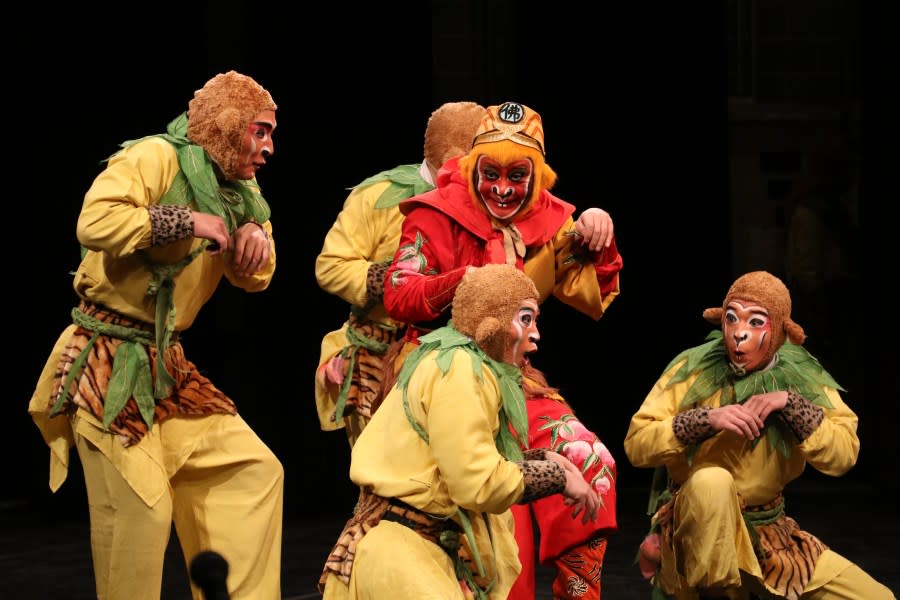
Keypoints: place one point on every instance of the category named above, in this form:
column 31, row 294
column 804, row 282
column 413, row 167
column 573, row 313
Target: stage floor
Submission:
column 47, row 556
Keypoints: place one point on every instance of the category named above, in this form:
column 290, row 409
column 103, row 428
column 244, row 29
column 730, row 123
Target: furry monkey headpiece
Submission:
column 486, row 302
column 766, row 290
column 450, row 131
column 219, row 114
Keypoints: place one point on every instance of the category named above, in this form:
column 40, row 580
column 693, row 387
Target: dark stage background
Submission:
column 634, row 102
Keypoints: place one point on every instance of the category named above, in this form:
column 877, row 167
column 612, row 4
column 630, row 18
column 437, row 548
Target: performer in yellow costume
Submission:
column 351, row 265
column 440, row 464
column 168, row 217
column 729, row 424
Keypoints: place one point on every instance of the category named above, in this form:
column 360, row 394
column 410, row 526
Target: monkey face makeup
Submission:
column 756, row 320
column 523, row 333
column 257, row 145
column 747, row 329
column 503, row 188
column 505, row 168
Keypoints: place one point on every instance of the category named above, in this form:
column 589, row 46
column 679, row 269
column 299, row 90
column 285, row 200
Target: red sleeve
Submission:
column 553, row 425
column 607, row 264
column 430, row 261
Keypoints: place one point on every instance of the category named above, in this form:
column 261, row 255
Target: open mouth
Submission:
column 527, row 357
column 740, row 359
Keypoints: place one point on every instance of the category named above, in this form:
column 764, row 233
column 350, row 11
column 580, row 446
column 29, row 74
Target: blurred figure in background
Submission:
column 822, row 264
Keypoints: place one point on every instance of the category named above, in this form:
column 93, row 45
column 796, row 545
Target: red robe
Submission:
column 444, row 232
column 575, row 549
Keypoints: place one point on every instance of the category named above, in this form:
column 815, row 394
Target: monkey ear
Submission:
column 491, row 337
column 794, row 332
column 713, row 315
column 229, row 122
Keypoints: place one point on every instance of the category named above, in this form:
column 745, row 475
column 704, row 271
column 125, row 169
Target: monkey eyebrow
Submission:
column 267, row 124
column 753, row 309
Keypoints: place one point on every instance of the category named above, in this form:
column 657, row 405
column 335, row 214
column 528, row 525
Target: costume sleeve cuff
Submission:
column 607, row 265
column 692, row 426
column 375, row 282
column 170, row 224
column 801, row 415
column 542, row 478
column 608, row 258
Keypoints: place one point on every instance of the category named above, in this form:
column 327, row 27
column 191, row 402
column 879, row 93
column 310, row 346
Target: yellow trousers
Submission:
column 713, row 549
column 393, row 561
column 211, row 476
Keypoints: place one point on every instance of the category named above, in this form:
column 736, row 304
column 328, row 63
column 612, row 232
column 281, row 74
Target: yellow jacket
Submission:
column 459, row 467
column 114, row 226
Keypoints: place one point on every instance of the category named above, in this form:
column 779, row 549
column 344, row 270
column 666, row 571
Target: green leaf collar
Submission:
column 795, row 370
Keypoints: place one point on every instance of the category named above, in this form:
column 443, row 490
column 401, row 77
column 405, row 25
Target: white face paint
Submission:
column 257, row 144
column 523, row 333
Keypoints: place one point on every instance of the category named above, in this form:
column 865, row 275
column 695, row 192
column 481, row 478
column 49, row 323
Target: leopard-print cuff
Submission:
column 375, row 282
column 692, row 426
column 170, row 224
column 801, row 415
column 542, row 478
column 534, row 454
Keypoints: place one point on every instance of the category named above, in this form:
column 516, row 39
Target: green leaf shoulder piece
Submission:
column 795, row 370
column 197, row 185
column 447, row 341
column 405, row 182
